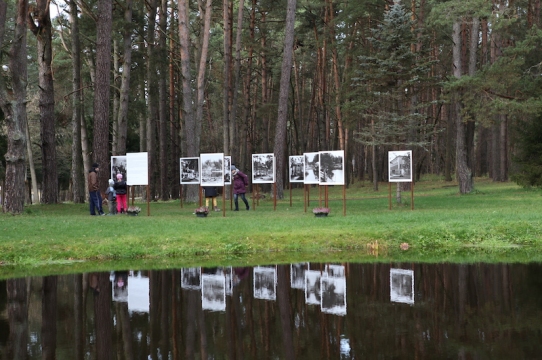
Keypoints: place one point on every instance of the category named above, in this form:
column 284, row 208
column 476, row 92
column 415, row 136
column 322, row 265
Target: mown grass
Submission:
column 497, row 222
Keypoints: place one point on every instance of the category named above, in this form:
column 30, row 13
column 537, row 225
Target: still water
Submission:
column 296, row 311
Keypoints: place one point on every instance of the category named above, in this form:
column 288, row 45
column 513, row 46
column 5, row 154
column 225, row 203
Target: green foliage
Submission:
column 527, row 169
column 386, row 81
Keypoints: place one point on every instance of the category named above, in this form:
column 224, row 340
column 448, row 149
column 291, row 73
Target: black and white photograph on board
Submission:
column 296, row 168
column 402, row 286
column 332, row 167
column 400, row 166
column 191, row 278
column 189, row 170
column 333, row 295
column 263, row 168
column 118, row 166
column 227, row 170
column 313, row 293
column 213, row 292
column 334, row 270
column 312, row 168
column 212, row 169
column 265, row 283
column 297, row 275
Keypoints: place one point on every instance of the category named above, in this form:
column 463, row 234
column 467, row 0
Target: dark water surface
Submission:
column 298, row 311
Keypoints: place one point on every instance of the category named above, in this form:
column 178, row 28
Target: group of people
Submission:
column 116, row 193
column 117, row 190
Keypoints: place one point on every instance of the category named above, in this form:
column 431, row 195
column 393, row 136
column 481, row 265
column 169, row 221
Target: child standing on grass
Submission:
column 111, row 198
column 211, row 192
column 121, row 189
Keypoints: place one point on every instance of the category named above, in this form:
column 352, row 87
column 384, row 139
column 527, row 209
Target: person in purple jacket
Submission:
column 240, row 183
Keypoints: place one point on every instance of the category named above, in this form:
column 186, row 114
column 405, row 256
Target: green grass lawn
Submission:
column 497, row 222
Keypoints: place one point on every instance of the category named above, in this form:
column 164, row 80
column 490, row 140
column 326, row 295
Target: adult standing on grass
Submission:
column 95, row 198
column 240, row 183
column 121, row 189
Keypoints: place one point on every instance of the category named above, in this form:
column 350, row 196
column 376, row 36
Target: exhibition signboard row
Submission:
column 322, row 168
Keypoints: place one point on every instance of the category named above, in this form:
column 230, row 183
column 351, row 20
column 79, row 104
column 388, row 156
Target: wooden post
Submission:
column 344, row 200
column 305, row 196
column 290, row 194
column 274, row 196
column 389, row 194
column 319, row 196
column 181, row 195
column 148, row 201
column 224, row 201
column 412, row 196
column 199, row 195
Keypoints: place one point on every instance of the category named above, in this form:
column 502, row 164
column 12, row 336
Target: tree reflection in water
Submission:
column 424, row 311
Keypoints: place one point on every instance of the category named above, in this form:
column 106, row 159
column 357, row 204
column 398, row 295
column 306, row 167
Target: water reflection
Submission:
column 292, row 311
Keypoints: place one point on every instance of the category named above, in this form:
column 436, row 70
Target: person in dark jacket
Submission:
column 121, row 189
column 240, row 183
column 95, row 199
column 211, row 192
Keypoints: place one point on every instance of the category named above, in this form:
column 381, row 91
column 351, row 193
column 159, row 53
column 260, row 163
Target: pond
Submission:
column 293, row 311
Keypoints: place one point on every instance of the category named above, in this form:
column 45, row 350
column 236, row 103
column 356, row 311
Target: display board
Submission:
column 137, row 168
column 296, row 168
column 400, row 166
column 189, row 168
column 331, row 167
column 212, row 169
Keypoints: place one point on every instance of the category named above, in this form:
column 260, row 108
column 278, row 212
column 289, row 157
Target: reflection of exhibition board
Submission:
column 137, row 168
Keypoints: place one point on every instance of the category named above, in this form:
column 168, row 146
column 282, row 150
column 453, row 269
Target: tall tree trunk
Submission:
column 187, row 108
column 39, row 22
column 282, row 117
column 162, row 111
column 336, row 77
column 236, row 76
column 464, row 173
column 226, row 86
column 122, row 120
column 200, row 84
column 77, row 174
column 116, row 100
column 152, row 94
column 503, row 153
column 173, row 129
column 35, row 192
column 102, row 90
column 14, row 108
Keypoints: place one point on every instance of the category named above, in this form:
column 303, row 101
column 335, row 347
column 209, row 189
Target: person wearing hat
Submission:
column 95, row 199
column 121, row 190
column 240, row 183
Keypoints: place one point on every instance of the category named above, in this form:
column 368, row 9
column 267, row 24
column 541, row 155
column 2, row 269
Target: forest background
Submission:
column 457, row 82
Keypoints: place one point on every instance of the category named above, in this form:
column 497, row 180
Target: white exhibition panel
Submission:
column 137, row 168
